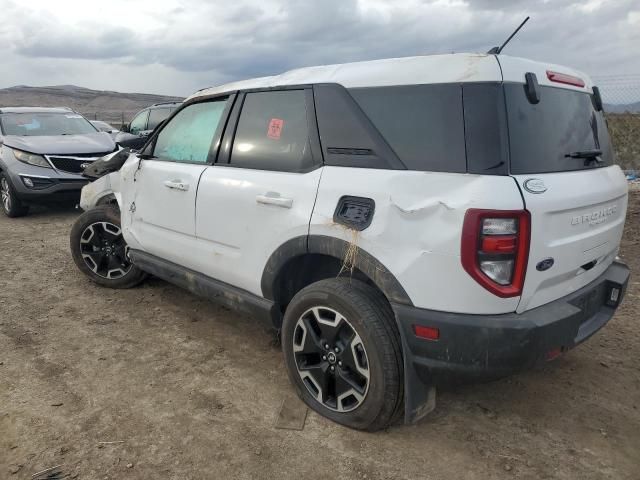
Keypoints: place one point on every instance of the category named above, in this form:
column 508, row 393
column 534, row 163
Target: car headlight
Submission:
column 31, row 158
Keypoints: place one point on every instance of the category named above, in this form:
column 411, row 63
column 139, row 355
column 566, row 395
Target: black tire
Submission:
column 99, row 251
column 366, row 312
column 11, row 204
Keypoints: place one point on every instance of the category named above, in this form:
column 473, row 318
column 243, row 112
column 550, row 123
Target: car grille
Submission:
column 73, row 163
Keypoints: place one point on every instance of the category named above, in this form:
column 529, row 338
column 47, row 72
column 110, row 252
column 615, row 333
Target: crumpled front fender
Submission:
column 103, row 190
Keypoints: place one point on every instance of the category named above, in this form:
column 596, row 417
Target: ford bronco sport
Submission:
column 399, row 221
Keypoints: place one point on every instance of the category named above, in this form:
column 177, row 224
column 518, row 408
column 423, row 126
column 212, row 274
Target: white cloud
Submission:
column 177, row 46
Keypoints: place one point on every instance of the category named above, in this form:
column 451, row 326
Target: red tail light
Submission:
column 564, row 78
column 495, row 249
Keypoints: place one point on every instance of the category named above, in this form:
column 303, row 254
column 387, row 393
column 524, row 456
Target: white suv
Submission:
column 399, row 221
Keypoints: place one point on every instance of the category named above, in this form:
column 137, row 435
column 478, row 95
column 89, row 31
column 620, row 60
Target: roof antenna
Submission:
column 497, row 50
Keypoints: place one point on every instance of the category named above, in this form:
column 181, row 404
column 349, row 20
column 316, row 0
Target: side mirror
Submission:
column 125, row 128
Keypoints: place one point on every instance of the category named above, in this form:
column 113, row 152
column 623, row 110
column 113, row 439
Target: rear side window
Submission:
column 423, row 124
column 549, row 136
column 189, row 134
column 273, row 133
column 156, row 116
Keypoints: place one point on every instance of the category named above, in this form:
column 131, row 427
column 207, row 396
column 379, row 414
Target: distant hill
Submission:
column 622, row 108
column 105, row 105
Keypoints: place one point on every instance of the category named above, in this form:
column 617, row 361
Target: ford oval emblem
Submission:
column 535, row 185
column 545, row 264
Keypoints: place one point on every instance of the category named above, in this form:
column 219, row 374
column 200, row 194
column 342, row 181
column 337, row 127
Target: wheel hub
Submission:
column 104, row 250
column 331, row 359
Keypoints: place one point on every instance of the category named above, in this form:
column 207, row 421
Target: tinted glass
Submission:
column 139, row 123
column 41, row 124
column 423, row 124
column 563, row 122
column 188, row 136
column 272, row 132
column 157, row 115
column 102, row 126
column 485, row 120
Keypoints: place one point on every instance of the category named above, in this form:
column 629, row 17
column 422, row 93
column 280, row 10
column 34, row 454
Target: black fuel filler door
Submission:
column 355, row 212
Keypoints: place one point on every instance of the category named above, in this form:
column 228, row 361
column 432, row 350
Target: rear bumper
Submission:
column 472, row 347
column 496, row 345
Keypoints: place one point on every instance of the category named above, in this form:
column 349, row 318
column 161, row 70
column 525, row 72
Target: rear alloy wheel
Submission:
column 343, row 355
column 331, row 359
column 11, row 205
column 100, row 251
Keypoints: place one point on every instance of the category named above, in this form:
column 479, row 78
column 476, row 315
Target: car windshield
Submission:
column 102, row 126
column 41, row 124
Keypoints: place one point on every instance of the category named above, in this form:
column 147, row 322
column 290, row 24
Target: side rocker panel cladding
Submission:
column 416, row 230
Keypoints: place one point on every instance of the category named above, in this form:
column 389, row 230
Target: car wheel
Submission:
column 100, row 251
column 11, row 204
column 343, row 355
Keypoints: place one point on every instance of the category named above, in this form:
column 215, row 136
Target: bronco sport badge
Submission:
column 595, row 218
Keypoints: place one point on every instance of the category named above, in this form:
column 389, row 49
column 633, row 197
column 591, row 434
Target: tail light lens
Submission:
column 495, row 249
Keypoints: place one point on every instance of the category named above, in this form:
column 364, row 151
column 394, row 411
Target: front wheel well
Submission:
column 303, row 270
column 108, row 200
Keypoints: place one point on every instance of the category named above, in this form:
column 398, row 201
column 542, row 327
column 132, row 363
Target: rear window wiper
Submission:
column 588, row 155
column 584, row 154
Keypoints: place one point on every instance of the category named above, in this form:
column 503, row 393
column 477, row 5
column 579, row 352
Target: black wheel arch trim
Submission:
column 333, row 247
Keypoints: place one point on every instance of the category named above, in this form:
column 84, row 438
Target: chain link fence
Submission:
column 621, row 96
column 114, row 118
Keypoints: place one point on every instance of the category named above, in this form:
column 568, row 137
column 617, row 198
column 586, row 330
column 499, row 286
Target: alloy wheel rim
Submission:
column 104, row 250
column 5, row 194
column 331, row 359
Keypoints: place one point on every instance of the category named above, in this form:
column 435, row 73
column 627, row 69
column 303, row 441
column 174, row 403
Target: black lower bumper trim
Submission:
column 473, row 347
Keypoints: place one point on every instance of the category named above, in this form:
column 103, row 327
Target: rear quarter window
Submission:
column 423, row 124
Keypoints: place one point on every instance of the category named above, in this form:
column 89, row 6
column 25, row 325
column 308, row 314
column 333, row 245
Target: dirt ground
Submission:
column 190, row 390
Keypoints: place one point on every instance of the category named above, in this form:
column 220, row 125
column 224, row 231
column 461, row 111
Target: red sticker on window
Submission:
column 275, row 128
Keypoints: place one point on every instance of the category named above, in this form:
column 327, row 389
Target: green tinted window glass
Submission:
column 188, row 136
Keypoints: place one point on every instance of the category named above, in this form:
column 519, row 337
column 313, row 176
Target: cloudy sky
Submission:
column 179, row 46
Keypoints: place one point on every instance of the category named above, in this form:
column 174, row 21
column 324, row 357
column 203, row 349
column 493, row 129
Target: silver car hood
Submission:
column 98, row 142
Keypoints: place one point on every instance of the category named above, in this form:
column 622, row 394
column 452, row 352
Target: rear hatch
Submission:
column 562, row 161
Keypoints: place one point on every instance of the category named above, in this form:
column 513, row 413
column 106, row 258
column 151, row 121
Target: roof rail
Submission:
column 164, row 103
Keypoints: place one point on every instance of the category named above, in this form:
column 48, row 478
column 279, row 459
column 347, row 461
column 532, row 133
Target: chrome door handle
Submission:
column 272, row 199
column 176, row 185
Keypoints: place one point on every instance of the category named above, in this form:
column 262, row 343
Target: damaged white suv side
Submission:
column 399, row 221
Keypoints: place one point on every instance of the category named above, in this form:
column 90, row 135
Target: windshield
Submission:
column 562, row 132
column 41, row 124
column 102, row 126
